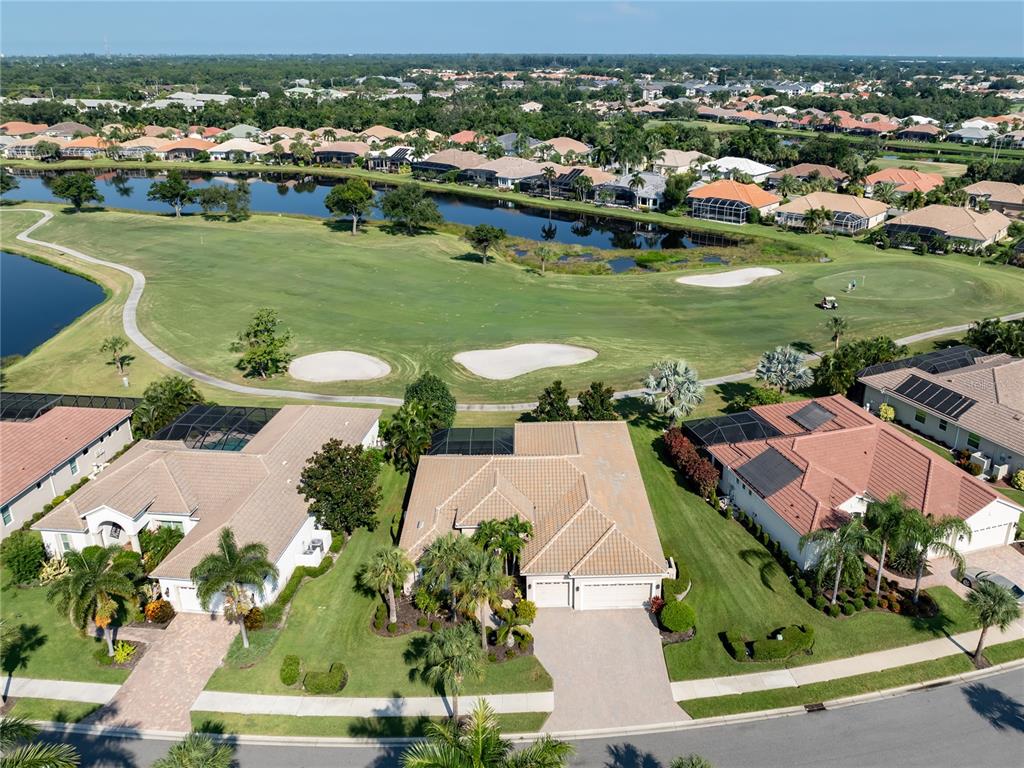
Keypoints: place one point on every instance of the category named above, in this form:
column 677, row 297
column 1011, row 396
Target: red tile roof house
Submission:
column 251, row 490
column 730, row 201
column 87, row 148
column 466, row 137
column 813, row 464
column 905, row 179
column 43, row 457
column 19, row 128
column 185, row 149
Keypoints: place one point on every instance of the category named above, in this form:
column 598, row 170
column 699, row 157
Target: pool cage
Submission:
column 26, row 406
column 217, row 427
column 473, row 441
column 720, row 209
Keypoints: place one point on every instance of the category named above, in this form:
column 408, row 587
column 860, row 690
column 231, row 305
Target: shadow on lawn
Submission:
column 23, row 641
column 636, row 411
column 767, row 566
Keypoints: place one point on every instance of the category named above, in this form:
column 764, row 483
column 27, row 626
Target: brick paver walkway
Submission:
column 158, row 694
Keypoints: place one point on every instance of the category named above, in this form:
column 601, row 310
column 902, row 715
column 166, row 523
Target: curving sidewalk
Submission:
column 131, row 329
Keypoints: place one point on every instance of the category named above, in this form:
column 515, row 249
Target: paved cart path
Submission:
column 131, row 329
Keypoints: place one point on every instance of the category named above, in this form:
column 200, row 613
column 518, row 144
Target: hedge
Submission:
column 795, row 639
column 331, row 681
column 290, row 668
column 678, row 616
column 275, row 611
column 736, row 645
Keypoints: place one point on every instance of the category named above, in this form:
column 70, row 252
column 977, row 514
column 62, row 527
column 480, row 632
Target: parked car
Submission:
column 973, row 575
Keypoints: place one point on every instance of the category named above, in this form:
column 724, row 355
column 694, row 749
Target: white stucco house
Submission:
column 245, row 484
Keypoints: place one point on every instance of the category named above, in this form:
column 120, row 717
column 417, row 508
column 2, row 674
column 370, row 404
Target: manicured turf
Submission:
column 725, row 564
column 330, row 621
column 353, row 727
column 54, row 649
column 52, row 710
column 849, row 686
column 925, row 166
column 417, row 301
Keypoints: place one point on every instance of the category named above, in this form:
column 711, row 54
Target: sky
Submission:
column 943, row 28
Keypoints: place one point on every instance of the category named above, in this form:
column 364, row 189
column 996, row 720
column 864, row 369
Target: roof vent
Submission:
column 419, row 523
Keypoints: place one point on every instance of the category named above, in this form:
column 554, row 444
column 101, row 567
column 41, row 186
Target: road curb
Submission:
column 708, row 722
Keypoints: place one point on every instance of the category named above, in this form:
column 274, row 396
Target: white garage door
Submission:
column 550, row 594
column 990, row 536
column 621, row 595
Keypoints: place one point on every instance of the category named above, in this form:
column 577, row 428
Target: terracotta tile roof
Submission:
column 20, row 128
column 997, row 191
column 563, row 144
column 906, row 179
column 196, row 144
column 354, row 147
column 578, row 483
column 803, row 170
column 727, row 189
column 466, row 137
column 861, row 206
column 855, row 454
column 678, row 158
column 32, row 449
column 956, row 222
column 88, row 142
column 144, row 141
column 380, row 132
column 458, row 158
column 922, row 128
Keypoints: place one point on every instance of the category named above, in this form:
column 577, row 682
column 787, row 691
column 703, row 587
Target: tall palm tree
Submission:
column 889, row 521
column 837, row 326
column 788, row 185
column 636, row 182
column 837, row 547
column 407, row 435
column 198, row 750
column 927, row 535
column 583, row 185
column 19, row 751
column 784, row 369
column 487, row 536
column 914, row 200
column 549, row 174
column 234, row 571
column 96, row 586
column 450, row 656
column 995, row 606
column 674, row 389
column 442, row 560
column 480, row 580
column 477, row 743
column 386, row 569
column 515, row 532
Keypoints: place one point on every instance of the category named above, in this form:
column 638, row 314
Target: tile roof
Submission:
column 466, row 137
column 836, row 203
column 380, row 132
column 563, row 144
column 997, row 191
column 20, row 128
column 727, row 189
column 678, row 158
column 353, row 147
column 577, row 482
column 458, row 158
column 803, row 170
column 252, row 491
column 197, row 144
column 906, row 179
column 954, row 221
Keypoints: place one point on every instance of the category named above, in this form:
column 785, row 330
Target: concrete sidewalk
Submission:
column 64, row 690
column 339, row 706
column 685, row 690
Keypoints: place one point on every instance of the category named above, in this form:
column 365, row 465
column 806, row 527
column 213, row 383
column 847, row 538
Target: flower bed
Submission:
column 127, row 654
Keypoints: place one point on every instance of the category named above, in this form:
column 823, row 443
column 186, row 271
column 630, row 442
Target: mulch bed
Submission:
column 140, row 651
column 668, row 638
column 408, row 619
column 503, row 653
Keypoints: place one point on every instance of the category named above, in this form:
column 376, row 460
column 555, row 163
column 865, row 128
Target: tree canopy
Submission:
column 340, row 483
column 264, row 345
column 353, row 197
column 77, row 188
column 410, row 208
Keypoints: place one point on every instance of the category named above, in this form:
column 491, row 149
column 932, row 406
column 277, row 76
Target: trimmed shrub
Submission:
column 848, row 609
column 422, row 621
column 678, row 616
column 337, row 543
column 794, row 639
column 820, row 602
column 858, row 604
column 671, row 589
column 273, row 613
column 291, row 667
column 883, row 604
column 392, row 628
column 800, row 583
column 833, row 610
column 435, row 625
column 492, row 657
column 510, row 654
column 159, row 611
column 872, row 601
column 526, row 610
column 255, row 619
column 380, row 617
column 23, row 553
column 736, row 645
column 323, row 683
column 805, row 592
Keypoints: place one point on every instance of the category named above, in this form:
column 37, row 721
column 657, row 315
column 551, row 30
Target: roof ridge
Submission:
column 471, row 478
column 557, row 534
column 600, row 540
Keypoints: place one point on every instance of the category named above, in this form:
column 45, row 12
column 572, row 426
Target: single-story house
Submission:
column 161, row 132
column 906, row 180
column 972, row 135
column 671, row 161
column 86, row 148
column 1000, row 196
column 28, row 147
column 204, row 132
column 729, row 201
column 565, row 184
column 962, row 226
column 563, row 145
column 248, row 485
column 467, row 137
column 249, row 149
column 808, row 172
column 510, row 141
column 320, row 134
column 531, row 106
column 186, row 149
column 20, row 128
column 959, row 397
column 801, row 466
column 242, row 131
column 376, row 133
column 446, row 161
column 279, row 132
column 594, row 542
column 68, row 130
column 391, row 160
column 421, row 133
column 506, row 172
column 728, row 167
column 650, row 194
column 50, row 447
column 849, row 214
column 138, row 148
column 340, row 152
column 920, row 132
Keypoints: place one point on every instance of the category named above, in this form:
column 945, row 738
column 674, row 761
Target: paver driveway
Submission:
column 608, row 669
column 1007, row 561
column 158, row 694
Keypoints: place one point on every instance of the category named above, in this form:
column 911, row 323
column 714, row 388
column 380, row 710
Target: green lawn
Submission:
column 354, row 727
column 52, row 710
column 53, row 649
column 925, row 166
column 848, row 686
column 728, row 593
column 330, row 621
column 416, row 302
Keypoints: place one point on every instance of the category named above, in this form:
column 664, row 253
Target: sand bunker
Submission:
column 731, row 279
column 514, row 361
column 338, row 366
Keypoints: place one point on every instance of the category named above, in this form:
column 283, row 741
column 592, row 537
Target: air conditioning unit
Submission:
column 999, row 471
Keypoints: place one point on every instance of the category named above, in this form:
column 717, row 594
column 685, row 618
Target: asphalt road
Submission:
column 974, row 725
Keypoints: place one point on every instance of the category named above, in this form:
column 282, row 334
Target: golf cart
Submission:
column 828, row 302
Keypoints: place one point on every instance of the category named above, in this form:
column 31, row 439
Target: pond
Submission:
column 37, row 300
column 279, row 193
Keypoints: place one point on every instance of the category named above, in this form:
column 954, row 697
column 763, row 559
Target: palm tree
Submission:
column 583, row 185
column 442, row 560
column 636, row 182
column 387, row 568
column 487, row 536
column 549, row 174
column 477, row 743
column 888, row 521
column 479, row 580
column 198, row 750
column 995, row 606
column 837, row 326
column 514, row 535
column 691, row 760
column 914, row 200
column 450, row 656
column 674, row 389
column 927, row 535
column 544, row 254
column 16, row 737
column 407, row 435
column 884, row 192
column 784, row 369
column 234, row 571
column 788, row 185
column 837, row 547
column 96, row 586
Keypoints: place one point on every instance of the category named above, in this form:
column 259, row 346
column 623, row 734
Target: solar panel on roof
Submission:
column 769, row 472
column 939, row 361
column 812, row 416
column 730, row 428
column 934, row 397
